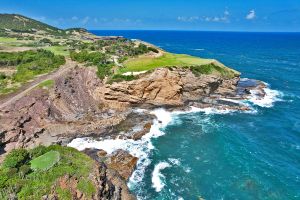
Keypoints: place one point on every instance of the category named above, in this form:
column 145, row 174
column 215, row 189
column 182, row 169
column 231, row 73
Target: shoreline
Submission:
column 142, row 148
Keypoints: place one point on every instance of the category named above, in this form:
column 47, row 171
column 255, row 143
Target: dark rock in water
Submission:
column 247, row 91
column 122, row 162
column 146, row 129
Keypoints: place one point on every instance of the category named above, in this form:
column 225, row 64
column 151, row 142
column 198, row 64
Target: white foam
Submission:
column 158, row 177
column 199, row 49
column 270, row 97
column 143, row 147
column 174, row 161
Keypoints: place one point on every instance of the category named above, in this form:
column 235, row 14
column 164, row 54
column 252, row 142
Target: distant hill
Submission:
column 19, row 23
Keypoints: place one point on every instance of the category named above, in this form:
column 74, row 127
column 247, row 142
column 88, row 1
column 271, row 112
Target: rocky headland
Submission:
column 80, row 104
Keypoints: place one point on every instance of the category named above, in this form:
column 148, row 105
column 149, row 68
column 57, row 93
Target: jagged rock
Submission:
column 122, row 162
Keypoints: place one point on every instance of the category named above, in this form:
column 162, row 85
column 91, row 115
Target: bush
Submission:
column 38, row 151
column 2, row 76
column 86, row 187
column 3, row 177
column 153, row 49
column 104, row 70
column 24, row 169
column 46, row 41
column 16, row 158
column 120, row 77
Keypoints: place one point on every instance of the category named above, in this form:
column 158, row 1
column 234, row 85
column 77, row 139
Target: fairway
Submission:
column 167, row 59
column 58, row 50
column 45, row 161
column 7, row 40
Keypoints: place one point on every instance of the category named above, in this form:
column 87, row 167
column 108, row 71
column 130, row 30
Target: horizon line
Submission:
column 189, row 30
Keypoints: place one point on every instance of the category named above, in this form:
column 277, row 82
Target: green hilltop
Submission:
column 19, row 23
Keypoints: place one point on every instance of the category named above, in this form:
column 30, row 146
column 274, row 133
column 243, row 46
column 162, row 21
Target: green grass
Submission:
column 7, row 40
column 86, row 187
column 59, row 50
column 197, row 65
column 147, row 63
column 46, row 161
column 37, row 183
column 46, row 84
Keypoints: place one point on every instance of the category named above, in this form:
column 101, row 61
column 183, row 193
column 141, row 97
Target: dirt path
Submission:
column 11, row 98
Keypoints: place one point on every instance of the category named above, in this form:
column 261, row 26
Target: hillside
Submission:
column 57, row 172
column 19, row 23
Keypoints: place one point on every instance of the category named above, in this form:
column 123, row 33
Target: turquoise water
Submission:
column 235, row 155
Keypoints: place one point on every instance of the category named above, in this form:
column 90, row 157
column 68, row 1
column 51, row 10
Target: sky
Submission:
column 204, row 15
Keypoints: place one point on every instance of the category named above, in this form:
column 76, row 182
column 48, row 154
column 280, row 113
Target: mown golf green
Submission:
column 45, row 161
column 143, row 63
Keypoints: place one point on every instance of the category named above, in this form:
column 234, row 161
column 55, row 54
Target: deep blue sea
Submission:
column 200, row 155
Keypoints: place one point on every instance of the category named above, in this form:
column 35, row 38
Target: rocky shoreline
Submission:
column 81, row 105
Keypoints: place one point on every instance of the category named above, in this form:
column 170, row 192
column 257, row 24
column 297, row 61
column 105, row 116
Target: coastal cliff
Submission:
column 79, row 104
column 96, row 91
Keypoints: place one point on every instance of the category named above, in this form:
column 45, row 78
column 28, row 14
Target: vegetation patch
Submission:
column 46, row 161
column 46, row 84
column 197, row 65
column 16, row 176
column 143, row 63
column 86, row 187
column 213, row 68
column 7, row 40
column 28, row 64
column 58, row 50
column 120, row 78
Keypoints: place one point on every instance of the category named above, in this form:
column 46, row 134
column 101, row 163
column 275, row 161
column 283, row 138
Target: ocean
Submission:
column 206, row 154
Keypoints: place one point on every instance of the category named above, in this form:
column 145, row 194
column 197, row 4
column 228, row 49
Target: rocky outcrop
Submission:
column 80, row 105
column 169, row 87
column 107, row 182
column 120, row 161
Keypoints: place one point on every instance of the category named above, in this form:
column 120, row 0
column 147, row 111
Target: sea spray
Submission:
column 158, row 177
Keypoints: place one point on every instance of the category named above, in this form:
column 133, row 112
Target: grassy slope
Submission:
column 22, row 23
column 198, row 65
column 59, row 50
column 143, row 63
column 34, row 184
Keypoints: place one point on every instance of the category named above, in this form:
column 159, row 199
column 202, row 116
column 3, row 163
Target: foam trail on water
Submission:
column 158, row 177
column 141, row 148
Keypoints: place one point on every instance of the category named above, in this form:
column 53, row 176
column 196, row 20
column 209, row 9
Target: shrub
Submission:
column 3, row 177
column 38, row 151
column 120, row 77
column 16, row 158
column 104, row 70
column 23, row 170
column 86, row 187
column 153, row 49
column 2, row 76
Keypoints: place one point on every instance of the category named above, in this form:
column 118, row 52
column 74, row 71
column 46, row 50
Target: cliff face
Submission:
column 81, row 105
column 169, row 87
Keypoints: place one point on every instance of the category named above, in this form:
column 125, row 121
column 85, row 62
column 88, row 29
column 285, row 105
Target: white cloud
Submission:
column 223, row 18
column 251, row 15
column 85, row 20
column 188, row 19
column 75, row 18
